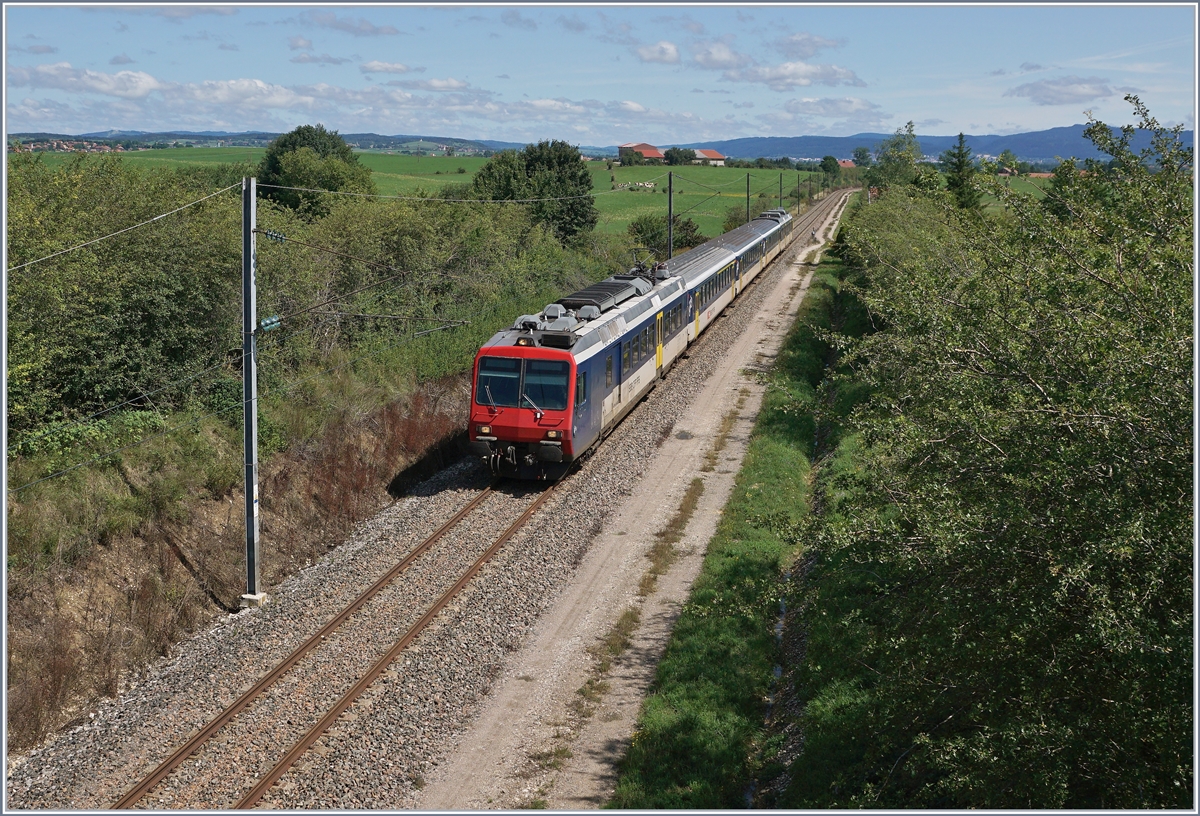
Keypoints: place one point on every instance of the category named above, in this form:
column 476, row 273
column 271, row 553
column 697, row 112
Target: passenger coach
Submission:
column 550, row 387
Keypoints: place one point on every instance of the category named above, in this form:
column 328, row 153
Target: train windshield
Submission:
column 510, row 381
column 546, row 384
column 499, row 381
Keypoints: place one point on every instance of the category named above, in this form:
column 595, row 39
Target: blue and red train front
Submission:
column 521, row 410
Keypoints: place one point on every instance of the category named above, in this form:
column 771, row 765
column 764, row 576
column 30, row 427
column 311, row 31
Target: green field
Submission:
column 395, row 174
column 703, row 194
column 172, row 157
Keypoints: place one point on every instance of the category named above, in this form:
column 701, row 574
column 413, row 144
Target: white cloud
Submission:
column 377, row 67
column 662, row 51
column 1068, row 90
column 239, row 93
column 616, row 31
column 794, row 74
column 178, row 13
column 847, row 106
column 359, row 28
column 318, row 59
column 718, row 55
column 808, row 115
column 299, row 43
column 572, row 23
column 448, row 84
column 120, row 59
column 685, row 22
column 61, row 76
column 802, row 46
column 555, row 106
column 513, row 18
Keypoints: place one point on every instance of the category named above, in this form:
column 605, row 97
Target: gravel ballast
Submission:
column 379, row 751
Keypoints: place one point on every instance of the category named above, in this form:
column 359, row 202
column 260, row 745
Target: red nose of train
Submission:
column 520, row 411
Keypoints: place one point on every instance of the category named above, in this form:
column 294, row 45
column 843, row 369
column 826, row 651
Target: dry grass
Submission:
column 710, row 458
column 663, row 552
column 81, row 627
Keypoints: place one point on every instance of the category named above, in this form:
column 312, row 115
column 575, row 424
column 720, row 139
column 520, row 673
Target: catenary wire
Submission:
column 127, row 229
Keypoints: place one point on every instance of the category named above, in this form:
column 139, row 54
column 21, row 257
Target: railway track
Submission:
column 175, row 764
column 191, row 769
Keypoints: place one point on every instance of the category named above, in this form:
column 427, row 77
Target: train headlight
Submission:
column 554, row 434
column 524, row 341
column 486, row 430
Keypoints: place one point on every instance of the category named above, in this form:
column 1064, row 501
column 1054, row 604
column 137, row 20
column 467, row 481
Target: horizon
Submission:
column 595, row 76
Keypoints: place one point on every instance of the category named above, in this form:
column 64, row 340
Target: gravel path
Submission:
column 400, row 730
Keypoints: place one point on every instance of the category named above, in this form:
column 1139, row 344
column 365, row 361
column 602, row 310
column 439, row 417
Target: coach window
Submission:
column 608, row 373
column 624, row 358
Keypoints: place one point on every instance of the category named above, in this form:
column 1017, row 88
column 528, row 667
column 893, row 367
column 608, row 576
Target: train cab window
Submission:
column 608, row 372
column 546, row 383
column 580, row 389
column 499, row 381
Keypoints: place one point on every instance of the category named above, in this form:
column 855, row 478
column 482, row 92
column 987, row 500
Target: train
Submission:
column 548, row 389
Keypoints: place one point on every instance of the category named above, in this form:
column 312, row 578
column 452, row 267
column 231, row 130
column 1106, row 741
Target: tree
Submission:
column 830, row 166
column 960, row 174
column 862, row 156
column 1011, row 561
column 735, row 216
column 679, row 155
column 650, row 231
column 1008, row 161
column 896, row 160
column 553, row 176
column 325, row 162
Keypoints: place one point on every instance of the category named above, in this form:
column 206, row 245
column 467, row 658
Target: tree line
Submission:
column 998, row 610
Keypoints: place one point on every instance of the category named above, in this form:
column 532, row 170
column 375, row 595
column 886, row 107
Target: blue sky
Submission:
column 595, row 74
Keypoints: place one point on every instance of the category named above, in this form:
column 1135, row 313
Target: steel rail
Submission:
column 815, row 214
column 317, row 731
column 270, row 678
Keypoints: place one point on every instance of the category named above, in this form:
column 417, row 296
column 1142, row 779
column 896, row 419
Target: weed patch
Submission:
column 663, row 553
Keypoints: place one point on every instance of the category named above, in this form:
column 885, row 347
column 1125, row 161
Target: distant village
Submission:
column 60, row 145
column 63, row 146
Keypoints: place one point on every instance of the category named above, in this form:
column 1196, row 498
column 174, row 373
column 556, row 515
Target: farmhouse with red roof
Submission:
column 648, row 152
column 710, row 156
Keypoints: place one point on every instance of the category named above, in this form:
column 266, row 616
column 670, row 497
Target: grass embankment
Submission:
column 700, row 741
column 117, row 556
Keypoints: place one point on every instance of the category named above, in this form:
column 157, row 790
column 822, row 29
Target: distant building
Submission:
column 845, row 164
column 648, row 152
column 710, row 156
